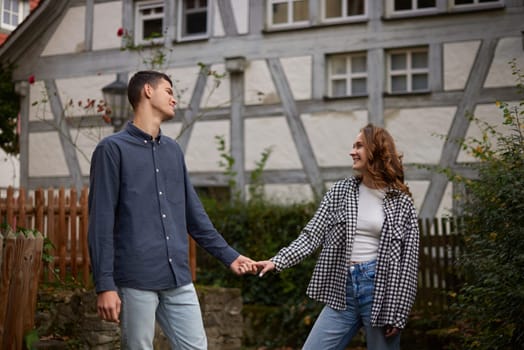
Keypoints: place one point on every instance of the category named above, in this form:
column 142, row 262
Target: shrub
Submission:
column 490, row 307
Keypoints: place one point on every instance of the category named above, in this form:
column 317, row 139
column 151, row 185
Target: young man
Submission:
column 141, row 208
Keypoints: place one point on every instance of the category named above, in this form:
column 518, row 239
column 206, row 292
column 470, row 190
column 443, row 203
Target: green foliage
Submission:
column 9, row 108
column 490, row 306
column 258, row 229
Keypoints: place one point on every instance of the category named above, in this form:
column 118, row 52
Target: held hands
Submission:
column 243, row 265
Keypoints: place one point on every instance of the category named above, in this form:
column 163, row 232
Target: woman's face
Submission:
column 359, row 154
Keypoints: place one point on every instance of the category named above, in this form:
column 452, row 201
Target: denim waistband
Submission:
column 363, row 266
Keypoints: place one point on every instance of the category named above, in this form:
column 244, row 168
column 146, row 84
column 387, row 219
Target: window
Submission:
column 149, row 24
column 285, row 13
column 347, row 75
column 343, row 9
column 408, row 70
column 468, row 4
column 413, row 5
column 12, row 13
column 193, row 19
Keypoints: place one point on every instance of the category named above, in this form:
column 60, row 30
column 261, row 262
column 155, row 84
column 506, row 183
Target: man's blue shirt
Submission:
column 141, row 208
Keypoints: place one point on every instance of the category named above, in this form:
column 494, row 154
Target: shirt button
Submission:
column 145, row 141
column 163, row 215
column 170, row 260
column 157, row 170
column 160, row 193
column 167, row 237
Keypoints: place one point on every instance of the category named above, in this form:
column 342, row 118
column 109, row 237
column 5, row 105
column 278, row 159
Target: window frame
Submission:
column 289, row 23
column 349, row 75
column 409, row 71
column 10, row 26
column 413, row 12
column 139, row 21
column 343, row 18
column 181, row 20
column 475, row 6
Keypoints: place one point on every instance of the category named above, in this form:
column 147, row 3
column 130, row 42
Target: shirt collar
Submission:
column 138, row 133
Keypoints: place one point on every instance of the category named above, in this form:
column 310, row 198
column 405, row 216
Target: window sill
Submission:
column 327, row 24
column 342, row 98
column 407, row 93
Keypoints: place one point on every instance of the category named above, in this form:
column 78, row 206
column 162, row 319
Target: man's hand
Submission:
column 108, row 305
column 264, row 266
column 243, row 265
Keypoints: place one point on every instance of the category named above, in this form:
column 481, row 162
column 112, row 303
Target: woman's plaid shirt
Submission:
column 333, row 227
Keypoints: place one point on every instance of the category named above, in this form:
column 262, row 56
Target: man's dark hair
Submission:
column 137, row 82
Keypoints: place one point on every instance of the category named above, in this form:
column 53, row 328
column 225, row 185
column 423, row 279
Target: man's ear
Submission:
column 148, row 90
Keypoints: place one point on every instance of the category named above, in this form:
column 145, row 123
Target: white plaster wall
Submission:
column 458, row 60
column 184, row 80
column 80, row 89
column 217, row 92
column 259, row 87
column 500, row 73
column 241, row 13
column 85, row 141
column 298, row 72
column 332, row 135
column 46, row 157
column 171, row 130
column 202, row 153
column 418, row 190
column 261, row 133
column 490, row 114
column 39, row 108
column 218, row 26
column 69, row 35
column 107, row 20
column 416, row 132
column 9, row 170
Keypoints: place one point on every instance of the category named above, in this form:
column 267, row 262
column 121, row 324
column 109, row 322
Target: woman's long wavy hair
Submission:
column 384, row 164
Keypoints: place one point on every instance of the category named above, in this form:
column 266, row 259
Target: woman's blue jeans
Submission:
column 334, row 329
column 176, row 310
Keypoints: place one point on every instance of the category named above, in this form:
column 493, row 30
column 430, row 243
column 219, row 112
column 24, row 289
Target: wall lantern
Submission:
column 115, row 95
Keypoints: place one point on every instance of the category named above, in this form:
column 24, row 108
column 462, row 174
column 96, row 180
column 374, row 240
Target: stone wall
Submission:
column 68, row 319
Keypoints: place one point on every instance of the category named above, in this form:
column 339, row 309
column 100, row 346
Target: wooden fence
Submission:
column 61, row 216
column 441, row 245
column 20, row 262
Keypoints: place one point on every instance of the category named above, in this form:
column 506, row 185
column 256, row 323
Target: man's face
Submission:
column 162, row 99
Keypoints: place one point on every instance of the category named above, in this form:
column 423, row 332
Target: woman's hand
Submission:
column 264, row 266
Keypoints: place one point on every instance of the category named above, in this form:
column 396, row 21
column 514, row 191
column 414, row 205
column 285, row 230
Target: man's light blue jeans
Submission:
column 334, row 329
column 176, row 310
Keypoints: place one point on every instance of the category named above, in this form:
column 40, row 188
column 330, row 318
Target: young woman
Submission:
column 366, row 273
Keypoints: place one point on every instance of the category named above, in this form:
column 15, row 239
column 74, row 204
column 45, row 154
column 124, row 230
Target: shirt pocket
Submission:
column 396, row 245
column 336, row 230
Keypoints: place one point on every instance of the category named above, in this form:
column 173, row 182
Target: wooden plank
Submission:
column 68, row 147
column 459, row 126
column 73, row 231
column 237, row 133
column 83, row 236
column 14, row 316
column 296, row 126
column 61, row 234
column 36, row 269
column 10, row 207
column 50, row 231
column 436, row 29
column 22, row 218
column 5, row 282
column 192, row 113
column 228, row 18
column 375, row 86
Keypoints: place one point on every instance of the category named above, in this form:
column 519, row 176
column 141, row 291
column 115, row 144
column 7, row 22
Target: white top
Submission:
column 369, row 224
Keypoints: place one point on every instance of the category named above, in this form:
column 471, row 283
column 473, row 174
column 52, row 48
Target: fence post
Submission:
column 7, row 270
